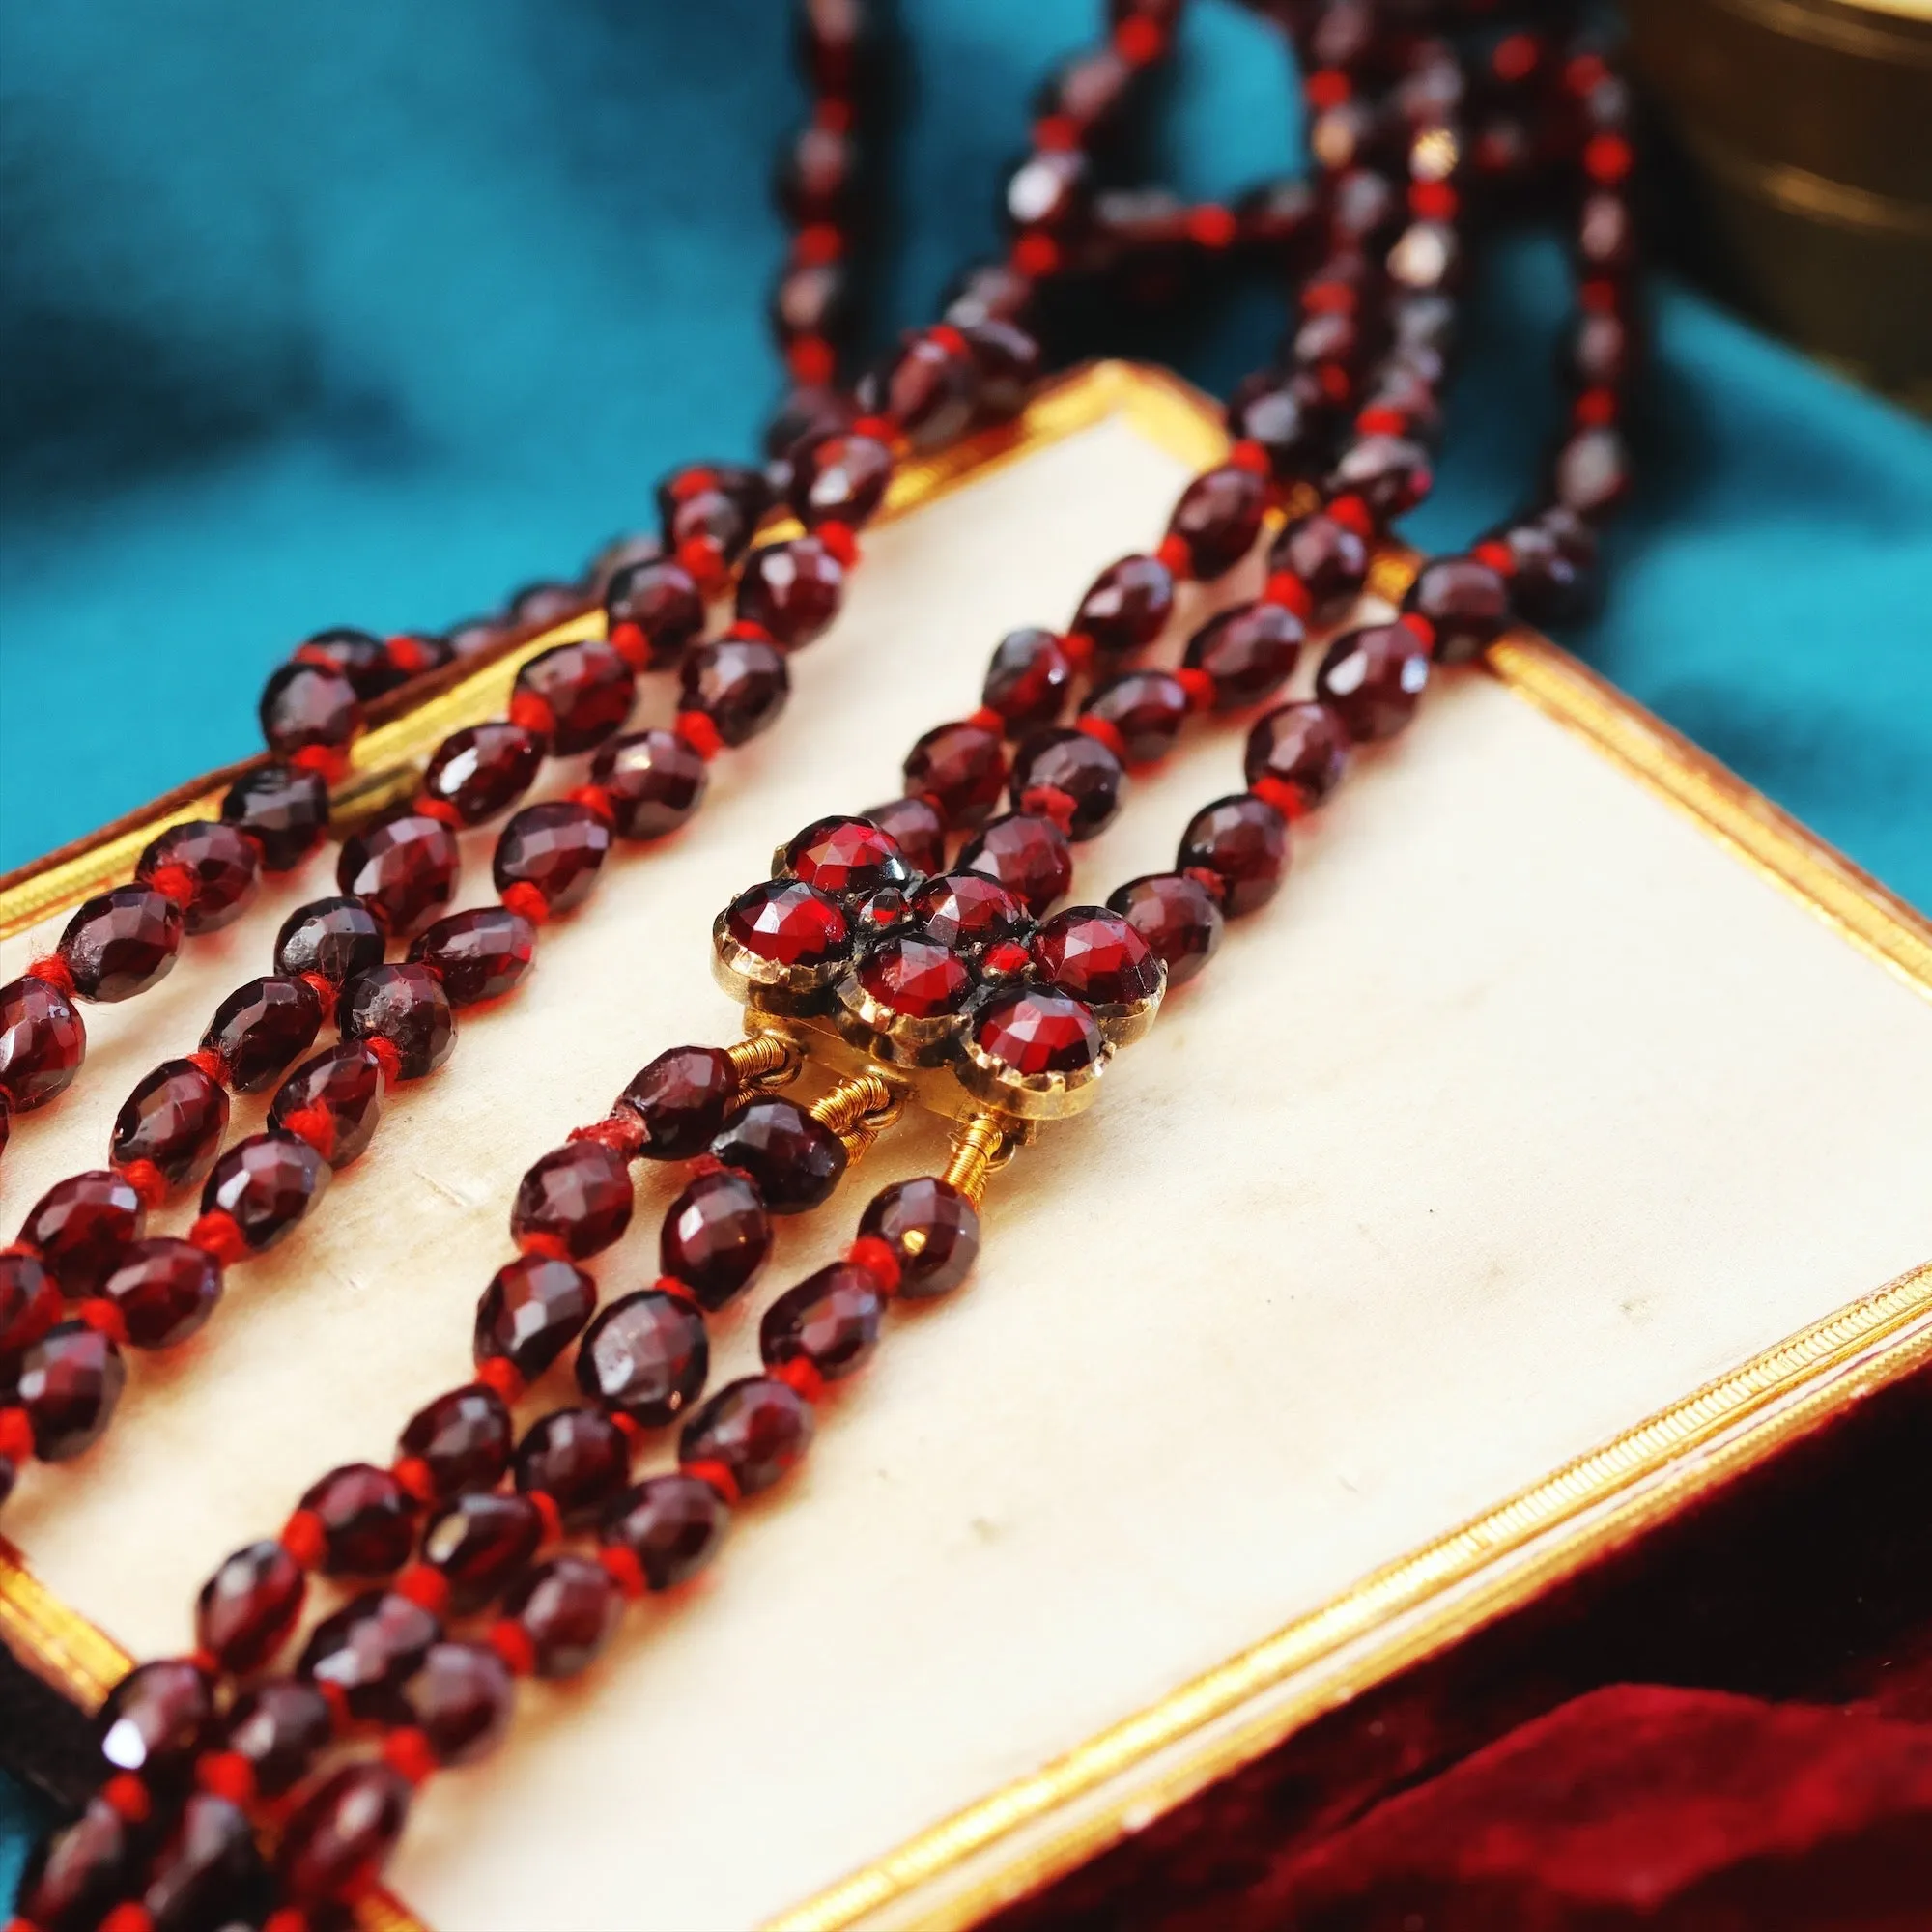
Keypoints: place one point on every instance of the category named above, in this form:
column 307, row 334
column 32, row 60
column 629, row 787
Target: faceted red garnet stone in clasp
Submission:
column 950, row 970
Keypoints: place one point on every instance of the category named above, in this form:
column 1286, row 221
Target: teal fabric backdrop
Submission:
column 367, row 313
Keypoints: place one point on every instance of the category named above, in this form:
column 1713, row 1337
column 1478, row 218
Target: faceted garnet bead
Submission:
column 165, row 1289
column 968, row 911
column 841, row 479
column 29, row 1305
column 461, row 1439
column 478, row 1542
column 283, row 808
column 1070, row 778
column 1097, row 956
column 461, row 1699
column 577, row 1457
column 223, row 867
column 174, row 1119
column 1241, row 842
column 960, row 767
column 916, row 828
column 539, row 604
column 403, row 870
column 209, row 1871
column 532, row 1310
column 333, row 938
column 569, row 1609
column 82, row 1225
column 68, row 1383
column 1145, row 708
column 157, row 1720
column 122, row 943
column 916, row 976
column 1219, row 517
column 1127, row 606
column 589, row 689
column 368, row 1650
column 576, row 1201
column 756, row 1430
column 1390, row 474
column 484, row 769
column 653, row 609
column 1285, row 416
column 281, row 1728
column 1373, row 679
column 1036, row 1030
column 366, row 1519
column 790, row 923
column 559, row 847
column 480, row 954
column 41, row 1043
column 671, row 1524
column 308, row 705
column 1028, row 679
column 740, row 684
column 1554, row 580
column 262, row 1028
column 1302, row 746
column 715, row 1236
column 850, row 857
column 407, row 1006
column 266, row 1183
column 1027, row 854
column 645, row 1357
column 1331, row 559
column 794, row 1160
column 933, row 1230
column 341, row 1836
column 1248, row 652
column 1466, row 602
column 831, row 1320
column 792, row 591
column 928, row 387
column 335, row 1100
column 358, row 655
column 248, row 1606
column 654, row 781
column 680, row 1099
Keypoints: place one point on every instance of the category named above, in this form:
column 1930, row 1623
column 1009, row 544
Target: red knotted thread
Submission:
column 53, row 970
column 532, row 713
column 146, row 1180
column 314, row 1125
column 1102, row 730
column 173, row 882
column 527, row 901
column 217, row 1233
column 388, row 1057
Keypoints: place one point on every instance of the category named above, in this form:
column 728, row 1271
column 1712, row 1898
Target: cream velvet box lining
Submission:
column 1525, row 1111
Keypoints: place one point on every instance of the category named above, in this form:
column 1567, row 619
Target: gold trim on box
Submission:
column 1040, row 1825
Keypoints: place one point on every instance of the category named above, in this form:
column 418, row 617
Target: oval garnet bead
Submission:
column 1177, row 916
column 660, row 603
column 209, row 1872
column 403, row 870
column 1070, row 778
column 1247, row 651
column 341, row 1836
column 1303, row 745
column 80, row 1226
column 225, row 865
column 1027, row 854
column 281, row 1728
column 1554, row 580
column 157, row 1720
column 645, row 1357
column 358, row 655
column 1037, row 1030
column 283, row 808
column 559, row 847
column 569, row 1609
column 333, row 938
column 262, row 1027
column 791, row 590
column 462, row 1438
column 1374, row 678
column 1467, row 602
column 479, row 954
column 483, row 769
column 174, row 1119
column 1389, row 473
column 532, row 1310
column 841, row 479
column 1007, row 360
column 304, row 705
column 1219, row 517
column 577, row 1197
column 970, row 911
column 960, row 767
column 758, row 1429
column 478, row 1542
column 933, row 1230
column 928, row 387
column 74, row 1876
column 1241, row 842
column 368, row 1650
column 920, row 977
column 1145, row 708
column 794, row 1161
column 121, row 943
column 267, row 1182
column 588, row 688
column 681, row 1099
column 1028, row 679
column 654, row 781
column 1286, row 416
column 916, row 826
column 831, row 1320
column 29, row 1305
column 41, row 1043
column 249, row 1605
column 166, row 1290
column 1127, row 606
column 367, row 1520
column 407, row 1006
column 461, row 1700
column 546, row 602
column 790, row 923
column 715, row 1236
column 671, row 1524
column 850, row 857
column 739, row 683
column 1096, row 955
column 70, row 1381
column 577, row 1457
column 1331, row 561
